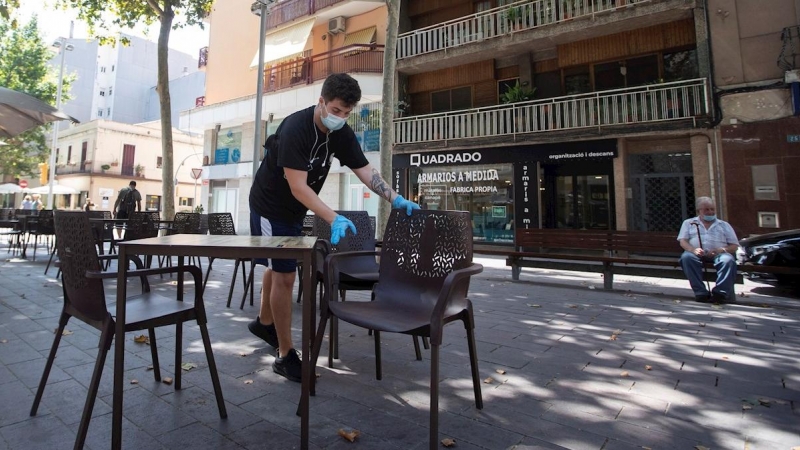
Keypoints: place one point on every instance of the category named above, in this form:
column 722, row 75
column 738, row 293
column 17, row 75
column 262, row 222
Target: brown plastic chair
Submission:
column 84, row 299
column 425, row 269
column 359, row 273
column 44, row 227
column 222, row 224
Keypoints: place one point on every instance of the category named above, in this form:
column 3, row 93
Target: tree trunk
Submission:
column 387, row 112
column 167, row 171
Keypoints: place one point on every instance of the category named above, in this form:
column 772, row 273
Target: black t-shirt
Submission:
column 299, row 144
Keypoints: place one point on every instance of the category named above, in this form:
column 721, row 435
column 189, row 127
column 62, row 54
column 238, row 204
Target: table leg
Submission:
column 119, row 350
column 308, row 371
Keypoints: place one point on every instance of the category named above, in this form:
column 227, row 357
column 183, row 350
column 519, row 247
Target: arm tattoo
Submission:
column 379, row 186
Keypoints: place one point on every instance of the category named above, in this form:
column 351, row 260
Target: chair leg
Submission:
column 106, row 337
column 35, row 245
column 154, row 354
column 300, row 282
column 178, row 352
column 233, row 281
column 250, row 283
column 415, row 338
column 434, row 417
column 208, row 271
column 212, row 367
column 473, row 361
column 62, row 323
column 378, row 370
column 50, row 261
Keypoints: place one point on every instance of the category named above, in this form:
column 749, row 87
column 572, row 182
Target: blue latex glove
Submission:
column 399, row 203
column 339, row 228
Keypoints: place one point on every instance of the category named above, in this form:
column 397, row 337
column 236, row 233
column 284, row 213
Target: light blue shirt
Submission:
column 719, row 234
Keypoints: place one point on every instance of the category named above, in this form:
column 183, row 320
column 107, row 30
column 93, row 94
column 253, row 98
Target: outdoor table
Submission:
column 223, row 247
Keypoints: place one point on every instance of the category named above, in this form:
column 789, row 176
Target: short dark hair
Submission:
column 341, row 86
column 132, row 183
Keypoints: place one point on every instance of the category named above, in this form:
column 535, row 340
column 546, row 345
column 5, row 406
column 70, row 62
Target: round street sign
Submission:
column 23, row 183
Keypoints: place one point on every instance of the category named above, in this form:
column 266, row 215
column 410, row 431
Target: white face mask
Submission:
column 330, row 121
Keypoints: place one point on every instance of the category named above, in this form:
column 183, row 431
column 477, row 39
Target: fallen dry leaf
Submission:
column 701, row 447
column 613, row 337
column 66, row 332
column 746, row 407
column 725, row 357
column 167, row 380
column 248, row 381
column 3, row 341
column 533, row 305
column 242, row 354
column 447, row 442
column 572, row 306
column 148, row 368
column 141, row 339
column 188, row 366
column 500, row 371
column 764, row 402
column 624, row 374
column 702, row 324
column 134, row 381
column 489, row 380
column 349, row 435
column 736, row 333
column 648, row 367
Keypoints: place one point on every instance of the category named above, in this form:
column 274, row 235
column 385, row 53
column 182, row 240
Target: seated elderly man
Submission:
column 707, row 239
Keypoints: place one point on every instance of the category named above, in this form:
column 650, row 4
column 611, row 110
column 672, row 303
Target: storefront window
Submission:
column 229, row 146
column 486, row 191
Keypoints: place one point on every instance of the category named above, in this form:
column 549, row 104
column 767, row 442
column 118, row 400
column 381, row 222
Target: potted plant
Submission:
column 105, row 167
column 139, row 169
column 514, row 17
column 115, row 163
column 517, row 93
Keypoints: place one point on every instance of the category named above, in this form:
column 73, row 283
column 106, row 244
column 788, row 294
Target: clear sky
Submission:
column 54, row 23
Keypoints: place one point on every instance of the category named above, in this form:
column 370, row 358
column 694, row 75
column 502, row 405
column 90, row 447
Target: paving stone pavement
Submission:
column 565, row 364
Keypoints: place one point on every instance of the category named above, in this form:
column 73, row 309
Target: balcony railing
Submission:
column 652, row 103
column 286, row 11
column 498, row 22
column 309, row 69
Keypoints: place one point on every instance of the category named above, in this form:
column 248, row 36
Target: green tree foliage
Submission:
column 169, row 14
column 6, row 8
column 23, row 68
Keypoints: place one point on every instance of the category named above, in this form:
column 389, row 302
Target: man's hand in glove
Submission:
column 339, row 228
column 400, row 203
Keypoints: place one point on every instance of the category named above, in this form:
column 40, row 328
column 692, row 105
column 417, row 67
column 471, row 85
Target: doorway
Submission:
column 578, row 196
column 662, row 191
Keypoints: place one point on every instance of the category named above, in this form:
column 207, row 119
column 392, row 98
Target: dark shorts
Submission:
column 121, row 215
column 260, row 226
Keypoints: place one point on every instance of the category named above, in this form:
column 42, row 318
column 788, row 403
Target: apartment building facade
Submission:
column 101, row 157
column 593, row 114
column 117, row 82
column 305, row 41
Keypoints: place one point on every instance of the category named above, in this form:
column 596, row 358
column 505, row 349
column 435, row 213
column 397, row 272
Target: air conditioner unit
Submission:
column 336, row 25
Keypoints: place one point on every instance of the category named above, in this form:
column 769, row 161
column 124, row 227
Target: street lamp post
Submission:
column 64, row 47
column 259, row 8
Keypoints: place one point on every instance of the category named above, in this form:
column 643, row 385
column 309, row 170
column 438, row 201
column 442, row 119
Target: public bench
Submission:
column 640, row 253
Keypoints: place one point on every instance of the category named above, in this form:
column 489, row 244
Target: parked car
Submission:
column 772, row 249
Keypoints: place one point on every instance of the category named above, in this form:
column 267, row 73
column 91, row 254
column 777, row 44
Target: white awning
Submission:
column 285, row 43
